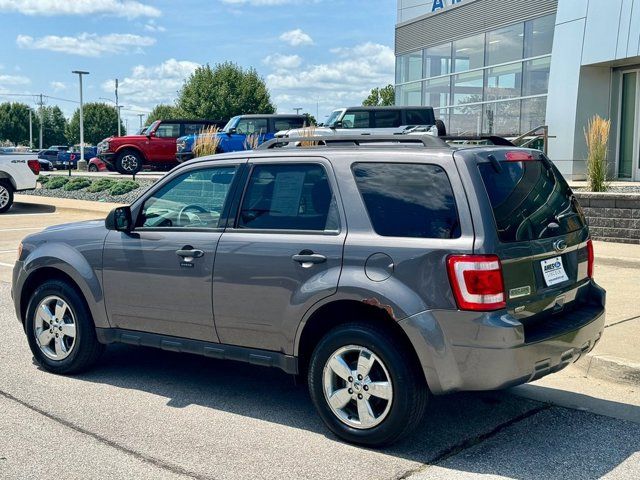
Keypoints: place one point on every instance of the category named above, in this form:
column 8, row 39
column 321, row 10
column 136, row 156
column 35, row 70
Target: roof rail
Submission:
column 426, row 140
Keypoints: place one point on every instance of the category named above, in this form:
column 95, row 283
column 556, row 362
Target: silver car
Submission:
column 384, row 271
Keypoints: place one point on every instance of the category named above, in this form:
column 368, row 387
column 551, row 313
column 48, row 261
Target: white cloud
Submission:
column 87, row 44
column 283, row 62
column 118, row 8
column 152, row 26
column 296, row 38
column 347, row 81
column 57, row 86
column 149, row 85
column 14, row 80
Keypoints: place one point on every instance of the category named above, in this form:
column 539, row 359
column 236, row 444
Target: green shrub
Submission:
column 77, row 184
column 101, row 185
column 43, row 179
column 122, row 187
column 56, row 182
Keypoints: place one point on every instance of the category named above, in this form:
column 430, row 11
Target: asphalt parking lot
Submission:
column 144, row 413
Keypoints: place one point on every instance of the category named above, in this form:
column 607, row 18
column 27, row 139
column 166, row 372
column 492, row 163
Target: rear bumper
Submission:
column 462, row 351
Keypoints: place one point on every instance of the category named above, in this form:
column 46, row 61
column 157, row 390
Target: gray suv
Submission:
column 383, row 270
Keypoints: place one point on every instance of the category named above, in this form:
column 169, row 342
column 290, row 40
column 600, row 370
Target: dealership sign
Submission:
column 442, row 4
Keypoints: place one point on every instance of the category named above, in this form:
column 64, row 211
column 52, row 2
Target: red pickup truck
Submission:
column 154, row 147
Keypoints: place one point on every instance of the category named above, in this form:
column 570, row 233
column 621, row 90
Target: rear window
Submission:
column 387, row 118
column 422, row 116
column 288, row 123
column 408, row 200
column 530, row 200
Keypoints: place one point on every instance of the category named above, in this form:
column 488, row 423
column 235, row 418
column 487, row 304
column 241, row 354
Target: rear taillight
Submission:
column 477, row 282
column 590, row 258
column 34, row 165
column 518, row 156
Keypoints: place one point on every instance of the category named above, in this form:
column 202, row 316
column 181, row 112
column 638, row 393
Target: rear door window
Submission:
column 387, row 118
column 193, row 128
column 530, row 200
column 289, row 197
column 408, row 200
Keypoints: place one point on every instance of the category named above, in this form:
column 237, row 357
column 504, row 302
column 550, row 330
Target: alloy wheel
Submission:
column 55, row 328
column 357, row 386
column 129, row 163
column 4, row 196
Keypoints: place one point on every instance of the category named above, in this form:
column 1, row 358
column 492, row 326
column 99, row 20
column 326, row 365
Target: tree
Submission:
column 224, row 91
column 381, row 97
column 163, row 112
column 310, row 120
column 54, row 126
column 100, row 121
column 14, row 123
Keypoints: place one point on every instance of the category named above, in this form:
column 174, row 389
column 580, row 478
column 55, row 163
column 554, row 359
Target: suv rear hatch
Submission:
column 533, row 222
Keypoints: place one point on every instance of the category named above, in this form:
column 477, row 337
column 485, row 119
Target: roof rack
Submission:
column 494, row 139
column 427, row 141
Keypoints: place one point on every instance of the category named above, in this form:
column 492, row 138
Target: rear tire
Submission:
column 442, row 129
column 128, row 162
column 60, row 329
column 356, row 413
column 6, row 195
column 93, row 168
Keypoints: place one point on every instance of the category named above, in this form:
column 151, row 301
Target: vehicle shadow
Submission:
column 19, row 208
column 494, row 422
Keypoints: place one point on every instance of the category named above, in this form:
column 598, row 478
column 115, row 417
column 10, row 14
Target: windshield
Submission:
column 335, row 115
column 231, row 124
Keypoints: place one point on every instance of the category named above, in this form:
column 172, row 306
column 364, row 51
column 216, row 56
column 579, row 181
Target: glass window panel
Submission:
column 288, row 197
column 409, row 67
column 409, row 94
column 538, row 37
column 408, row 200
column 505, row 44
column 437, row 92
column 502, row 118
column 468, row 53
column 357, row 119
column 387, row 118
column 533, row 113
column 465, row 120
column 627, row 124
column 437, row 60
column 504, row 82
column 467, row 87
column 193, row 200
column 536, row 76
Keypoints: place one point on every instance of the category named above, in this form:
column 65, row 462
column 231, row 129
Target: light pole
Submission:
column 298, row 110
column 141, row 115
column 80, row 73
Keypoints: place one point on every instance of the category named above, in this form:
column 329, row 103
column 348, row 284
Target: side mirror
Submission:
column 232, row 131
column 337, row 124
column 151, row 134
column 119, row 219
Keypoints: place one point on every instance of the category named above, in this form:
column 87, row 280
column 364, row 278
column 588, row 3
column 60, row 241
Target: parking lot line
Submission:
column 33, row 214
column 2, row 264
column 8, row 251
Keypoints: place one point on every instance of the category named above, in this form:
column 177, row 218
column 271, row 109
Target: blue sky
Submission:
column 329, row 52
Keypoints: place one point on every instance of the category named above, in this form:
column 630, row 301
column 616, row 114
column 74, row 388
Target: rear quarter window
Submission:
column 408, row 200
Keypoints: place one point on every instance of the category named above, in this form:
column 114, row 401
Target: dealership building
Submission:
column 506, row 67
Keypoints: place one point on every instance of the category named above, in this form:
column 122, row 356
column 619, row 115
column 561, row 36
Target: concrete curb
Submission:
column 68, row 204
column 608, row 367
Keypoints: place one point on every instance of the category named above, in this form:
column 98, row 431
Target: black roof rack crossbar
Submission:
column 427, row 141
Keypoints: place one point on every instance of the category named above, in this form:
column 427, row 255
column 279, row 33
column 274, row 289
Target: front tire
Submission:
column 129, row 162
column 60, row 329
column 366, row 386
column 93, row 168
column 6, row 196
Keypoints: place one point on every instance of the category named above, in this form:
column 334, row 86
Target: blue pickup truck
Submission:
column 233, row 137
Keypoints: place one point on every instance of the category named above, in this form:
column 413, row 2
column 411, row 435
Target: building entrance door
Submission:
column 629, row 141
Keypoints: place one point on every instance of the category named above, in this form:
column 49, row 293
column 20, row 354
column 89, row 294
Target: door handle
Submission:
column 189, row 253
column 308, row 259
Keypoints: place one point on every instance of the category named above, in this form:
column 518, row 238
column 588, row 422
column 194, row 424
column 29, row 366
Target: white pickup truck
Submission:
column 18, row 172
